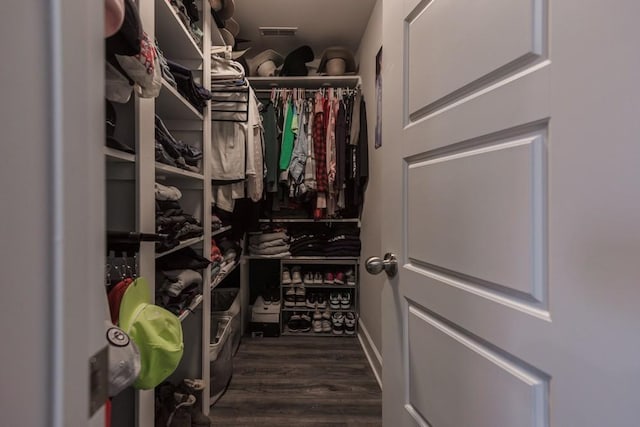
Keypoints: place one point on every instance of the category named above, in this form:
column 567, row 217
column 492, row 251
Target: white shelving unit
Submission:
column 173, row 37
column 167, row 171
column 171, row 105
column 132, row 177
column 118, row 156
column 182, row 245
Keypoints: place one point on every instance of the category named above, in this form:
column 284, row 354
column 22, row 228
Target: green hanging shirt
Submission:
column 287, row 139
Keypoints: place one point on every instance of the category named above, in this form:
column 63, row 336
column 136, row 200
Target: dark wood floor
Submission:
column 300, row 381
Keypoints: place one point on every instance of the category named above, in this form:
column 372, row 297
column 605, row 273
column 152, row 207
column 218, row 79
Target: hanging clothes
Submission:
column 271, row 146
column 287, row 137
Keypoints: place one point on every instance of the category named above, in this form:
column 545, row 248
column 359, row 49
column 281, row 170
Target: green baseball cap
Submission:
column 156, row 331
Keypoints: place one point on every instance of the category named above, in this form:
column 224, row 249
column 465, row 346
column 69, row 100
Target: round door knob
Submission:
column 389, row 264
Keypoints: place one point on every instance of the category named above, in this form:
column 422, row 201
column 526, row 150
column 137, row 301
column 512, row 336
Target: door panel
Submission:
column 456, row 47
column 485, row 226
column 445, row 384
column 511, row 135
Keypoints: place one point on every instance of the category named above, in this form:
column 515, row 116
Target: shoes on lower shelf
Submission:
column 311, row 300
column 350, row 323
column 334, row 300
column 345, row 300
column 305, row 323
column 326, row 325
column 290, row 298
column 317, row 326
column 337, row 322
column 294, row 322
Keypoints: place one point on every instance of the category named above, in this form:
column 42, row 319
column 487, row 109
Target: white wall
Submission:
column 371, row 286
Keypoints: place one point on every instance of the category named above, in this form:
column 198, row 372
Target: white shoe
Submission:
column 296, row 276
column 286, row 276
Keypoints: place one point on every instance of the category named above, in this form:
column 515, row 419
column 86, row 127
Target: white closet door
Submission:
column 52, row 220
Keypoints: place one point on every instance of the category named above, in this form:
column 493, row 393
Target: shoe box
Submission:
column 265, row 319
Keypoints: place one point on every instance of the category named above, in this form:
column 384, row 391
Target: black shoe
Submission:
column 305, row 323
column 294, row 323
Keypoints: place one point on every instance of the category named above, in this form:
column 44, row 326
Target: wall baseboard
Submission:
column 371, row 352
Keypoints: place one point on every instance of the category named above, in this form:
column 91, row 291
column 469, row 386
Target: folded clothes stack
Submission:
column 171, row 219
column 340, row 242
column 270, row 244
column 173, row 152
column 177, row 289
column 193, row 92
column 344, row 243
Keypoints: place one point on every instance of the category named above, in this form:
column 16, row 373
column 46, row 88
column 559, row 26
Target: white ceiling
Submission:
column 321, row 23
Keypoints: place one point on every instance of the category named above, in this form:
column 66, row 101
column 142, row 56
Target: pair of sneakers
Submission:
column 294, row 296
column 340, row 278
column 299, row 322
column 343, row 323
column 271, row 296
column 312, row 278
column 316, row 300
column 291, row 277
column 340, row 300
column 321, row 321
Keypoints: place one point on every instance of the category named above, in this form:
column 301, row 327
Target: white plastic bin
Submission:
column 220, row 356
column 225, row 302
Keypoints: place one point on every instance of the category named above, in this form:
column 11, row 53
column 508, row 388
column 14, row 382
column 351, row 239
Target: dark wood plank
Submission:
column 301, row 381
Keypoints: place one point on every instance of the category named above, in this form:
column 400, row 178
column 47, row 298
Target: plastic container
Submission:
column 226, row 303
column 220, row 356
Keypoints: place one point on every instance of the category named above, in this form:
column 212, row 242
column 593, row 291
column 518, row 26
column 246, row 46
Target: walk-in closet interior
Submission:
column 237, row 163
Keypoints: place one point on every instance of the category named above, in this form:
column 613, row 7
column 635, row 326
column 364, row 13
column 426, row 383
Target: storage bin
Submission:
column 225, row 302
column 220, row 356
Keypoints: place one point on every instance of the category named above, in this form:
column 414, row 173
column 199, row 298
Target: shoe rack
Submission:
column 130, row 188
column 321, row 265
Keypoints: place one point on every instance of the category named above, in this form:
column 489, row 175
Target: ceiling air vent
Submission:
column 278, row 31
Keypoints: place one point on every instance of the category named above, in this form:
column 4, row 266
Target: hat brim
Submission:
column 137, row 294
column 228, row 9
column 337, row 52
column 262, row 57
column 228, row 38
column 232, row 26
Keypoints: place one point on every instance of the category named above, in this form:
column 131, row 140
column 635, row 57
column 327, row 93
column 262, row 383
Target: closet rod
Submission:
column 306, row 90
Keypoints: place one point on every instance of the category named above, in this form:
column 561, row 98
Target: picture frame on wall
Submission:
column 378, row 141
